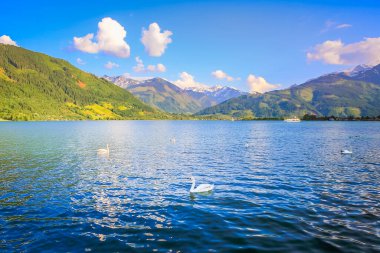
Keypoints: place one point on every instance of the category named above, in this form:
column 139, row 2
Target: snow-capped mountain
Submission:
column 218, row 93
column 172, row 98
column 353, row 73
column 341, row 94
column 221, row 93
column 358, row 70
column 121, row 81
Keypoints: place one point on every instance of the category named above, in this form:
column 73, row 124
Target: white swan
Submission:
column 201, row 187
column 345, row 152
column 103, row 151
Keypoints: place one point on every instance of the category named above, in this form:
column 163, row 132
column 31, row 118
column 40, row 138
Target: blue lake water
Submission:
column 279, row 187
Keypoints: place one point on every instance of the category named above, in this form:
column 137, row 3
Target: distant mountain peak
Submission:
column 157, row 79
column 169, row 97
column 215, row 88
column 347, row 93
column 358, row 70
column 121, row 81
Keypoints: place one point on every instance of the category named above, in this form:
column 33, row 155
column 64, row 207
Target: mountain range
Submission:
column 168, row 97
column 348, row 93
column 34, row 86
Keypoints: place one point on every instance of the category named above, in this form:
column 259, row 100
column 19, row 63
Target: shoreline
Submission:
column 199, row 119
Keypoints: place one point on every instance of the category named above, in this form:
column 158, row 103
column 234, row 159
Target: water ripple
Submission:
column 279, row 187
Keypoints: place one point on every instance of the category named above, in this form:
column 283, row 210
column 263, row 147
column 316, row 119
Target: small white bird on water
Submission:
column 103, row 151
column 345, row 152
column 172, row 140
column 201, row 187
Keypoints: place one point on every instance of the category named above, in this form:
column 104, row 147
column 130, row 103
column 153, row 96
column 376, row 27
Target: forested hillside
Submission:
column 34, row 86
column 337, row 94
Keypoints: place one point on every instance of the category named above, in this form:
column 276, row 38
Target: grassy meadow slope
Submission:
column 336, row 94
column 34, row 86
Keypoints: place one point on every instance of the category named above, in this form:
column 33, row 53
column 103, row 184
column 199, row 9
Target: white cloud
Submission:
column 259, row 84
column 187, row 81
column 160, row 67
column 5, row 39
column 80, row 61
column 138, row 78
column 154, row 40
column 219, row 74
column 156, row 68
column 109, row 39
column 332, row 25
column 111, row 65
column 336, row 52
column 85, row 44
column 341, row 26
column 140, row 67
column 151, row 68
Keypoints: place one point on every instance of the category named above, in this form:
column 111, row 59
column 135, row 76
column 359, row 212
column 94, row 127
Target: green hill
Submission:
column 34, row 86
column 338, row 94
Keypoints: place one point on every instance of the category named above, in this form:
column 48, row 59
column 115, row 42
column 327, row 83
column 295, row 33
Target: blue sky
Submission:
column 243, row 39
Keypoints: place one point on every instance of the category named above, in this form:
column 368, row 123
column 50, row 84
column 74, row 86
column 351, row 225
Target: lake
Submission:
column 279, row 187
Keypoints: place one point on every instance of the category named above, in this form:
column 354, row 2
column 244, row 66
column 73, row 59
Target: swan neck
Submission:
column 192, row 184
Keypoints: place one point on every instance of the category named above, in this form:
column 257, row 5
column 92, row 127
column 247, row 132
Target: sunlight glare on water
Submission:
column 278, row 186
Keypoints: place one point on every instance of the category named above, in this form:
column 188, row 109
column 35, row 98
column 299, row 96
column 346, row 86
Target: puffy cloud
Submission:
column 5, row 39
column 219, row 74
column 329, row 52
column 140, row 67
column 80, row 61
column 151, row 68
column 154, row 40
column 336, row 52
column 187, row 81
column 109, row 39
column 160, row 67
column 138, row 78
column 156, row 68
column 259, row 84
column 85, row 44
column 111, row 65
